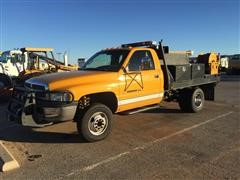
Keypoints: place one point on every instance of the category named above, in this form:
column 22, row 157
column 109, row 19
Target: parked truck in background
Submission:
column 10, row 62
column 16, row 66
column 29, row 61
column 131, row 78
column 234, row 64
column 10, row 66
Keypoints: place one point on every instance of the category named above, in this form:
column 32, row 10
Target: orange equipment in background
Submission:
column 211, row 61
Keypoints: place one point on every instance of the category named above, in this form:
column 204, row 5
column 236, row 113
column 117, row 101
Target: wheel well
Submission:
column 107, row 98
column 184, row 91
column 208, row 90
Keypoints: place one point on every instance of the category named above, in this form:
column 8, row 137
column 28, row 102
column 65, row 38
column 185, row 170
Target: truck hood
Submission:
column 66, row 80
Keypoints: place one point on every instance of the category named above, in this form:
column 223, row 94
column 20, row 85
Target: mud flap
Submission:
column 209, row 92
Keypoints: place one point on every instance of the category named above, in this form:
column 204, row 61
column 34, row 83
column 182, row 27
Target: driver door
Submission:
column 142, row 82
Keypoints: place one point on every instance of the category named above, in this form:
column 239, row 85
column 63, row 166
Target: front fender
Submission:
column 80, row 91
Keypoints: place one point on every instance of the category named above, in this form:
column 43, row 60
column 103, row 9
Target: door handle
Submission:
column 156, row 76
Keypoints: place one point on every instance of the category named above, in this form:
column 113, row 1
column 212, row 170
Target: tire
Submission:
column 197, row 100
column 96, row 123
column 192, row 100
column 184, row 100
column 5, row 81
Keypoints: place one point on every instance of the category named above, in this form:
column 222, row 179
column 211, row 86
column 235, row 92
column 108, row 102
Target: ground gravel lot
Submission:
column 158, row 144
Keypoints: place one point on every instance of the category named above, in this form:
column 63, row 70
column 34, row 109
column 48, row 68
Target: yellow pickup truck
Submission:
column 131, row 78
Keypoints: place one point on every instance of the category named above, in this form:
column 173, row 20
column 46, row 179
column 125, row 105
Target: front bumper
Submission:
column 54, row 113
column 26, row 110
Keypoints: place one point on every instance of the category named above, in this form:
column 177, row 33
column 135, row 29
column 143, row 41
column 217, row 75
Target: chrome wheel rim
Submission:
column 198, row 100
column 98, row 123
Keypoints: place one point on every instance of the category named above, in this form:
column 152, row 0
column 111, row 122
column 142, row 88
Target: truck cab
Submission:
column 137, row 74
column 11, row 62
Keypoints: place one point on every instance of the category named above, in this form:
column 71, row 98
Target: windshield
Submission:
column 4, row 57
column 13, row 57
column 109, row 60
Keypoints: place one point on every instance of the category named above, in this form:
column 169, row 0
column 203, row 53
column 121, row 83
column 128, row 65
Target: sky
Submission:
column 83, row 27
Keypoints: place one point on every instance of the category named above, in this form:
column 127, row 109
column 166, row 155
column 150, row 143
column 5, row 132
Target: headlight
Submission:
column 61, row 96
column 65, row 97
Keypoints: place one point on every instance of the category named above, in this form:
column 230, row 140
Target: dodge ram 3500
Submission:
column 132, row 76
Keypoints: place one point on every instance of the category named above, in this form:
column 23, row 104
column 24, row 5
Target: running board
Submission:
column 138, row 110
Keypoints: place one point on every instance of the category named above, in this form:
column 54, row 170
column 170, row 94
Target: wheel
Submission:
column 96, row 123
column 197, row 100
column 192, row 100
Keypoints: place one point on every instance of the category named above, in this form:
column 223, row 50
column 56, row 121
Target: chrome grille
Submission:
column 36, row 87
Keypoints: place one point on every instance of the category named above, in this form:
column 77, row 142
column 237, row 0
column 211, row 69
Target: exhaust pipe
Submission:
column 65, row 57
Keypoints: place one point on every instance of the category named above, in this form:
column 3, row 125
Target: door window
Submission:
column 141, row 61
